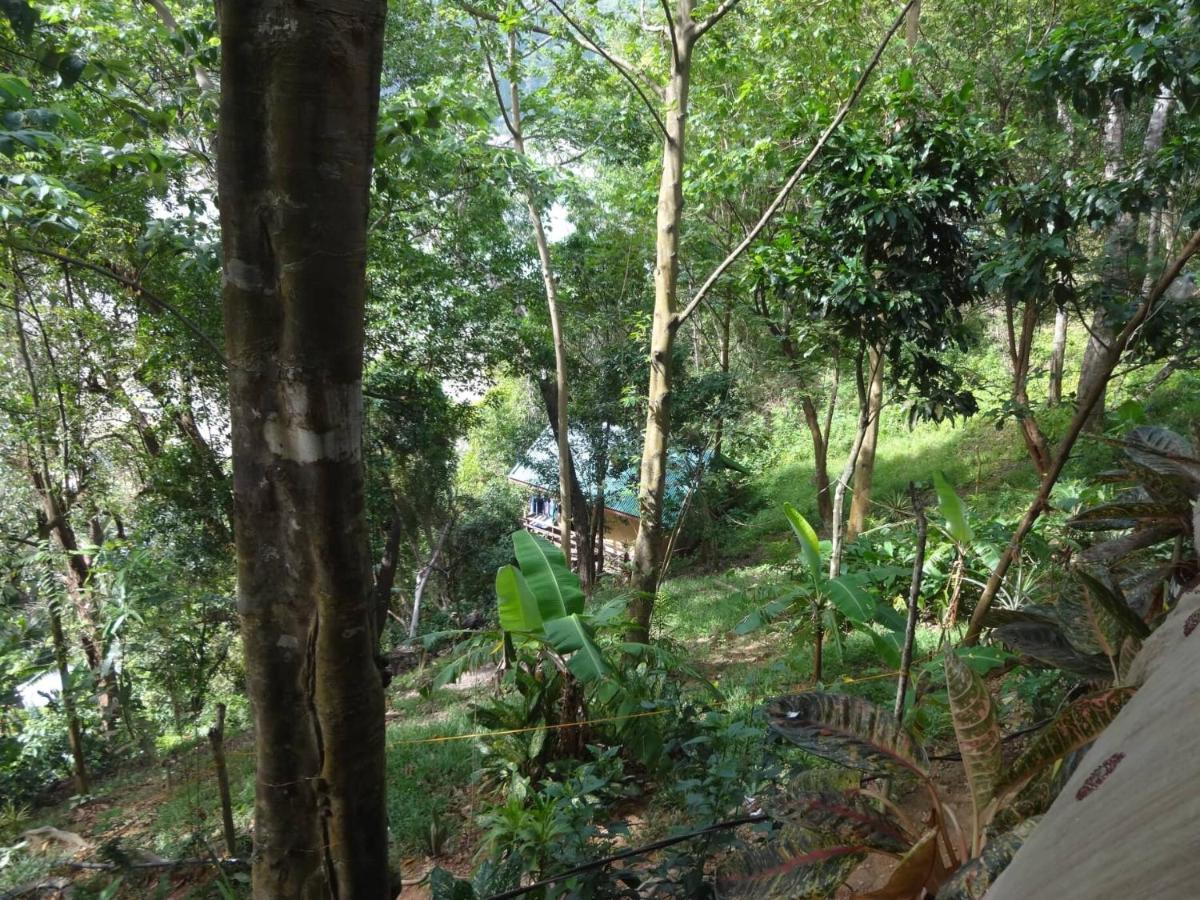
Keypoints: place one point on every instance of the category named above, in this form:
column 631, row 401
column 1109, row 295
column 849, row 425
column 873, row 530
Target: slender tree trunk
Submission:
column 820, row 460
column 586, row 562
column 864, row 474
column 385, row 575
column 423, row 579
column 216, row 740
column 74, row 732
column 1058, row 357
column 914, row 596
column 648, row 546
column 836, row 531
column 1020, row 348
column 299, row 101
column 723, row 362
column 559, row 417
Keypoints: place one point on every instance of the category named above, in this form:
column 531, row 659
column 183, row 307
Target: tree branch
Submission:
column 670, row 28
column 718, row 15
column 782, row 196
column 1082, row 413
column 496, row 89
column 134, row 285
column 623, row 68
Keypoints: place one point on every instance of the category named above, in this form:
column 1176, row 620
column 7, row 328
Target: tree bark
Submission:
column 216, row 740
column 648, row 546
column 299, row 103
column 423, row 579
column 1020, row 349
column 559, row 417
column 864, row 474
column 74, row 732
column 586, row 562
column 820, row 459
column 1058, row 357
column 385, row 575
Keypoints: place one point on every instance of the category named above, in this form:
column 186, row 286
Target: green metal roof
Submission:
column 538, row 468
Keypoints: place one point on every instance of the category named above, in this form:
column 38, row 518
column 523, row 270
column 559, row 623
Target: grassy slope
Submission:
column 432, row 781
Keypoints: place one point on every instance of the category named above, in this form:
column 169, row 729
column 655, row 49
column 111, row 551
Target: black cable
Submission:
column 626, row 854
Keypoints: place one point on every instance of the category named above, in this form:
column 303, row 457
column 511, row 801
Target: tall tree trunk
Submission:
column 74, row 732
column 299, row 102
column 864, row 474
column 559, row 416
column 1058, row 357
column 586, row 561
column 648, row 547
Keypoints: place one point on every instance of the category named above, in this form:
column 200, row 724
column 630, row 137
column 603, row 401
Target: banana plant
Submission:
column 825, row 826
column 540, row 601
column 828, row 598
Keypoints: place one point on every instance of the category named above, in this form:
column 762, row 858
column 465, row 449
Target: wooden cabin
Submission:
column 537, row 473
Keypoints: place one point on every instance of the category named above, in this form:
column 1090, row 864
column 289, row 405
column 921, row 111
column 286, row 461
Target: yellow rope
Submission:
column 482, row 734
column 642, row 715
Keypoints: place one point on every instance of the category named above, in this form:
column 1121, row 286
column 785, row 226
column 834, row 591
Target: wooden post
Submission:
column 216, row 737
column 914, row 595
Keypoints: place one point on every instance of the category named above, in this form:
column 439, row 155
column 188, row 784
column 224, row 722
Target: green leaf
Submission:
column 888, row 644
column 851, row 600
column 517, row 606
column 847, row 730
column 977, row 732
column 553, row 584
column 977, row 875
column 1078, row 724
column 764, row 615
column 790, row 866
column 444, row 886
column 569, row 635
column 983, row 659
column 15, row 90
column 1163, row 451
column 846, row 816
column 953, row 510
column 806, row 537
column 1109, row 596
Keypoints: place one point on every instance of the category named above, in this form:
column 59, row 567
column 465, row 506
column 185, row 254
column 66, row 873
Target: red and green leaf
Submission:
column 790, row 866
column 1078, row 724
column 1107, row 593
column 847, row 730
column 847, row 817
column 977, row 731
